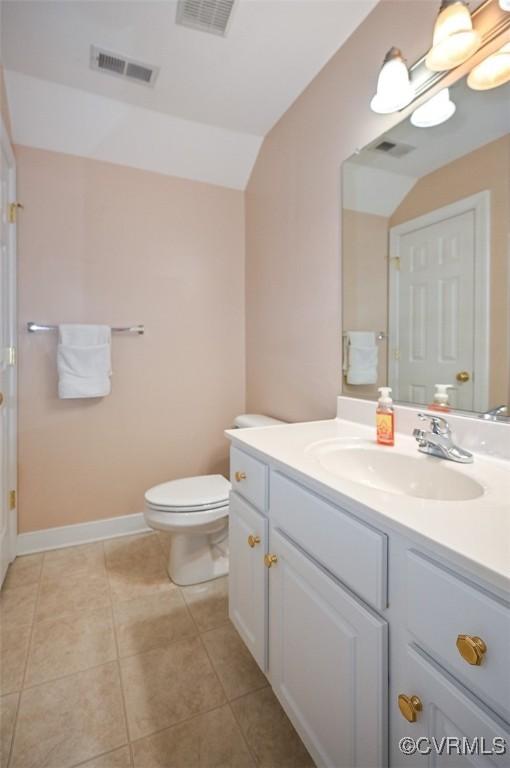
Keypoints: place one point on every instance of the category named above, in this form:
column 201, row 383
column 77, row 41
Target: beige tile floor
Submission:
column 106, row 664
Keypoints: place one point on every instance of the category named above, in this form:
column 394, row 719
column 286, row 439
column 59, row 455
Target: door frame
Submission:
column 480, row 204
column 11, row 404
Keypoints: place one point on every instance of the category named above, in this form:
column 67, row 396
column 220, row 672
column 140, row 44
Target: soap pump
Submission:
column 441, row 398
column 385, row 418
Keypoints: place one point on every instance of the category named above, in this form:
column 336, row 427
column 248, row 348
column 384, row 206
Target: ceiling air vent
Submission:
column 393, row 149
column 206, row 15
column 113, row 64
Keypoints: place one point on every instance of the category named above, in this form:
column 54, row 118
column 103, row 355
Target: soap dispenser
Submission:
column 441, row 398
column 385, row 418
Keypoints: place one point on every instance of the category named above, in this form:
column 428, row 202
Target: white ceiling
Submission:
column 242, row 82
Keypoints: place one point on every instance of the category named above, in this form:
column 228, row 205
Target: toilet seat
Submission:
column 190, row 495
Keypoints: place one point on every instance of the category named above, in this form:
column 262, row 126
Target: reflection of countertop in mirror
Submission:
column 474, row 532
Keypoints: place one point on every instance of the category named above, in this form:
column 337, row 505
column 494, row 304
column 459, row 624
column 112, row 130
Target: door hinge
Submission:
column 12, row 499
column 395, row 262
column 13, row 212
column 11, row 355
column 396, row 354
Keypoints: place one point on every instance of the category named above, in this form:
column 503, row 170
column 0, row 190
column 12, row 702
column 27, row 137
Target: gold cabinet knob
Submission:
column 409, row 707
column 270, row 560
column 471, row 648
column 240, row 476
column 463, row 376
column 253, row 540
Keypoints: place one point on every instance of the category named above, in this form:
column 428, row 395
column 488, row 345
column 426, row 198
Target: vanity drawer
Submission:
column 249, row 478
column 440, row 607
column 352, row 551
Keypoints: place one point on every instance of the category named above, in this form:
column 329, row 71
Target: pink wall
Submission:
column 293, row 213
column 109, row 244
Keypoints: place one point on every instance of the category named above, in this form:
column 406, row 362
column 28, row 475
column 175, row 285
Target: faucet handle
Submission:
column 438, row 425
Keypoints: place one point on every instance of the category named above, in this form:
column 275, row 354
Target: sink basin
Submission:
column 385, row 469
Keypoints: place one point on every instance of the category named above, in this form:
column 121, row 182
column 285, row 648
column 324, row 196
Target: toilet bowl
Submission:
column 194, row 510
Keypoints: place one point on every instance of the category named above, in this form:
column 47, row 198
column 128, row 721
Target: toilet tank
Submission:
column 255, row 420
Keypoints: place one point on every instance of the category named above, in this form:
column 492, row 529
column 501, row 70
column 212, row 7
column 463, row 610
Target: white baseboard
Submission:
column 80, row 533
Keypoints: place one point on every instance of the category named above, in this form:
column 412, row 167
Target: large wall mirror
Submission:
column 426, row 257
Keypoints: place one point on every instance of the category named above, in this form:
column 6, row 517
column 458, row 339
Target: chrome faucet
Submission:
column 499, row 413
column 438, row 441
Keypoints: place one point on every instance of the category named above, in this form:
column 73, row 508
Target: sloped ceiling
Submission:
column 215, row 97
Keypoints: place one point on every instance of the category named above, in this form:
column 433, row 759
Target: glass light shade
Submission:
column 504, row 5
column 492, row 71
column 394, row 90
column 435, row 111
column 454, row 39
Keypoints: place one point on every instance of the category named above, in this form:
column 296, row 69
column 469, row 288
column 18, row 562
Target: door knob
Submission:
column 253, row 540
column 270, row 560
column 240, row 476
column 471, row 648
column 463, row 376
column 409, row 707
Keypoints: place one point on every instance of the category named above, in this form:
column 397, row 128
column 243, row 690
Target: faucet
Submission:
column 438, row 441
column 499, row 413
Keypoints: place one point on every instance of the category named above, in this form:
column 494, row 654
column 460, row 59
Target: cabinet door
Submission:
column 447, row 715
column 327, row 662
column 248, row 576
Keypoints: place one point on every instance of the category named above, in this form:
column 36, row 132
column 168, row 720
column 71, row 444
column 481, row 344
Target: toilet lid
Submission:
column 190, row 492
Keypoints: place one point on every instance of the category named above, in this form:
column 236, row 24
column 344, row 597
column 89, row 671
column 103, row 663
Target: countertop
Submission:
column 475, row 534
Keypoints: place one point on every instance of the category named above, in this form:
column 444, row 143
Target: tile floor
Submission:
column 106, row 664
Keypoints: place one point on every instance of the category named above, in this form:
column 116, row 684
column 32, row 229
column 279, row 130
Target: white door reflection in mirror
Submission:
column 438, row 305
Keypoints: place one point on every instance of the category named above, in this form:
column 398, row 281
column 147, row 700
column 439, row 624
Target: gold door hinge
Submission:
column 12, row 499
column 395, row 262
column 397, row 354
column 13, row 212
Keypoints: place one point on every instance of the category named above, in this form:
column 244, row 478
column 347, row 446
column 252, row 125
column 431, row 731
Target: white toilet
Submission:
column 195, row 511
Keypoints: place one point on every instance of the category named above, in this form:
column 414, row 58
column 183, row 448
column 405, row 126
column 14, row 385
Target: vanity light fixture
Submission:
column 394, row 89
column 492, row 71
column 435, row 111
column 454, row 39
column 504, row 5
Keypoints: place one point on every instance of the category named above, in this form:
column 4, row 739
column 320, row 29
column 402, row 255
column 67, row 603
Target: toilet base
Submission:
column 196, row 558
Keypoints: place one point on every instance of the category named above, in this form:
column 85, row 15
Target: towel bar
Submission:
column 140, row 329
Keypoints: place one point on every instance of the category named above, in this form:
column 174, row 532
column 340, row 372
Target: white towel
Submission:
column 84, row 360
column 360, row 357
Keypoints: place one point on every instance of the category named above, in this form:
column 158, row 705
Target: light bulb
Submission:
column 492, row 71
column 504, row 5
column 394, row 90
column 454, row 39
column 435, row 111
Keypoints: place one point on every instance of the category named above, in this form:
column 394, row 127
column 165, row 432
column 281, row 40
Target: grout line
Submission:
column 119, row 671
column 29, row 648
column 96, row 757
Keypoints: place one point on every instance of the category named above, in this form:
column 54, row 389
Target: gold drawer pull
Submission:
column 252, row 540
column 409, row 707
column 270, row 560
column 471, row 648
column 240, row 476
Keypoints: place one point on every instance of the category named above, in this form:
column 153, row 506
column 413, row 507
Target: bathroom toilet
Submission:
column 194, row 510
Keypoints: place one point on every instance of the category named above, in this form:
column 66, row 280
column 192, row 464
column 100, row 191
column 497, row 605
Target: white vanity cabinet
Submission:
column 357, row 627
column 248, row 604
column 327, row 661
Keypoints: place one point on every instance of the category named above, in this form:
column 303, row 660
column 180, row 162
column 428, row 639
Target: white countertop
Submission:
column 475, row 534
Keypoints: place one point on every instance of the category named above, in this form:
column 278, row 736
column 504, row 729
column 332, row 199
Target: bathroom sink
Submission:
column 385, row 469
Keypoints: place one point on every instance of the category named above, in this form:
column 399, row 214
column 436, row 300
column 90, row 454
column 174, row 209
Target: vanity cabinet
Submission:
column 248, row 604
column 366, row 636
column 436, row 708
column 327, row 660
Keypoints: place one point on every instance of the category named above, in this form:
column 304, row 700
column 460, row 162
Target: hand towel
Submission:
column 84, row 360
column 360, row 357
